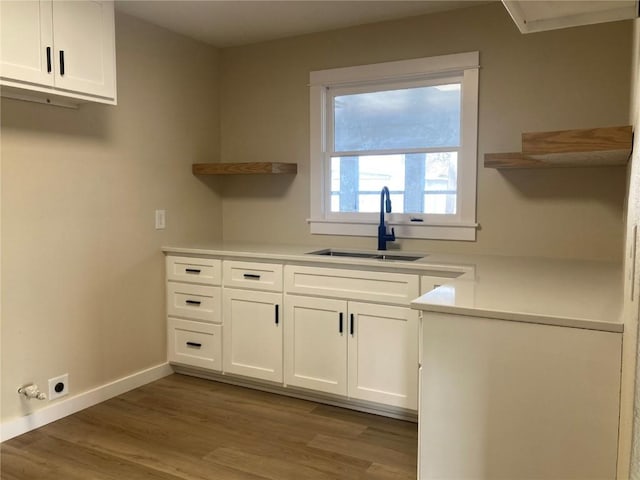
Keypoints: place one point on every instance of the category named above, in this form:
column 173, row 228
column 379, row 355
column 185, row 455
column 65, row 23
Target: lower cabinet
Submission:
column 195, row 343
column 383, row 354
column 252, row 334
column 315, row 346
column 339, row 331
column 362, row 350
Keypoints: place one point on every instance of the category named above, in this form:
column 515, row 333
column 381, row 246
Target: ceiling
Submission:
column 225, row 23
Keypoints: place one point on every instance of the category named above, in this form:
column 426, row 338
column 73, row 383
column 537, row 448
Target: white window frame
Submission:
column 461, row 226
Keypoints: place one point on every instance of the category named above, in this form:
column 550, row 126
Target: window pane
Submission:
column 421, row 117
column 418, row 182
column 439, row 203
column 356, row 182
column 441, row 180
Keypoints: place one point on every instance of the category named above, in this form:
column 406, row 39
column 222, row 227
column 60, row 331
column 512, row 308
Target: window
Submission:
column 408, row 125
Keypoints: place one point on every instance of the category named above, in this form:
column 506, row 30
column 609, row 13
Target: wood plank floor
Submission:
column 183, row 427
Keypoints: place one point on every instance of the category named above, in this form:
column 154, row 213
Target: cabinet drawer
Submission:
column 196, row 302
column 194, row 270
column 261, row 276
column 195, row 343
column 382, row 287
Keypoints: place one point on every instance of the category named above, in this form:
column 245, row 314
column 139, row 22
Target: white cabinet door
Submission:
column 84, row 46
column 316, row 344
column 252, row 334
column 25, row 33
column 383, row 354
column 58, row 49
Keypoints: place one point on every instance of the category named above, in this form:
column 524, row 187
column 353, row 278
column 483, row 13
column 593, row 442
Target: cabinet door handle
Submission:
column 340, row 323
column 48, row 59
column 277, row 314
column 351, row 322
column 192, row 270
column 193, row 302
column 194, row 344
column 61, row 62
column 251, row 276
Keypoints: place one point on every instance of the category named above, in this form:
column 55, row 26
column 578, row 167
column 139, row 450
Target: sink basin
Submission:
column 330, row 252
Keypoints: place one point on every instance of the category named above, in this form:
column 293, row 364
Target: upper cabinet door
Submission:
column 25, row 34
column 84, row 45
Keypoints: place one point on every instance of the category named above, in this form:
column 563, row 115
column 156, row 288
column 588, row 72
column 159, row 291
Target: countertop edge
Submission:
column 474, row 269
column 415, row 266
column 558, row 321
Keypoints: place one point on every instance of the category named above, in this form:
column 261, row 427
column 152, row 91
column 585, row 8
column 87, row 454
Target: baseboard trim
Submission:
column 358, row 405
column 18, row 426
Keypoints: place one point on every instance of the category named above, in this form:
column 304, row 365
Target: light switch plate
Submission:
column 161, row 219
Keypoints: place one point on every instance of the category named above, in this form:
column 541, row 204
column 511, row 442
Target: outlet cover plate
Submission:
column 58, row 386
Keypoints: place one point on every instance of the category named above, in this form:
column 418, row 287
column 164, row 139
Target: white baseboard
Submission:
column 18, row 426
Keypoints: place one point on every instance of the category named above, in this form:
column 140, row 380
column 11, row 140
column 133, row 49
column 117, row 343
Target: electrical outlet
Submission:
column 161, row 219
column 58, row 386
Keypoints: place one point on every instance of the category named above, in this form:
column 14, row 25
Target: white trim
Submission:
column 468, row 157
column 398, row 70
column 612, row 14
column 442, row 231
column 18, row 426
column 318, row 98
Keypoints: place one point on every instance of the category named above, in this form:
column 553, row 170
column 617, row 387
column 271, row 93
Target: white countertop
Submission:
column 570, row 293
column 559, row 292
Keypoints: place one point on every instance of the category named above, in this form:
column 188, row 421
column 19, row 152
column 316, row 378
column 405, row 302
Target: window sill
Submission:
column 430, row 231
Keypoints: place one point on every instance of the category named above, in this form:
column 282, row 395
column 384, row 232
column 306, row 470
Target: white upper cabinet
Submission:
column 84, row 47
column 26, row 31
column 62, row 49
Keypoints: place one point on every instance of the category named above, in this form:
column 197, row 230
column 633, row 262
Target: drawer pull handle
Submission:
column 48, row 59
column 192, row 270
column 277, row 314
column 351, row 322
column 61, row 63
column 194, row 344
column 193, row 302
column 251, row 276
column 340, row 323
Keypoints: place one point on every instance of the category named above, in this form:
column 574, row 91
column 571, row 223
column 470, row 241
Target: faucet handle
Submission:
column 392, row 237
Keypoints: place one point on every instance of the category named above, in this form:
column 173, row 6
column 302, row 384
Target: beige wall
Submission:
column 573, row 78
column 82, row 270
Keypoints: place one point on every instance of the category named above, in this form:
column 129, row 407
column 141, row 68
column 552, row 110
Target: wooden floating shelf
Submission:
column 249, row 168
column 594, row 147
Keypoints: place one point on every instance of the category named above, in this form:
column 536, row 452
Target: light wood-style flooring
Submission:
column 182, row 427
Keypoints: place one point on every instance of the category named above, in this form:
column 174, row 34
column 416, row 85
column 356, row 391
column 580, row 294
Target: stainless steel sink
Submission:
column 330, row 252
column 404, row 258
